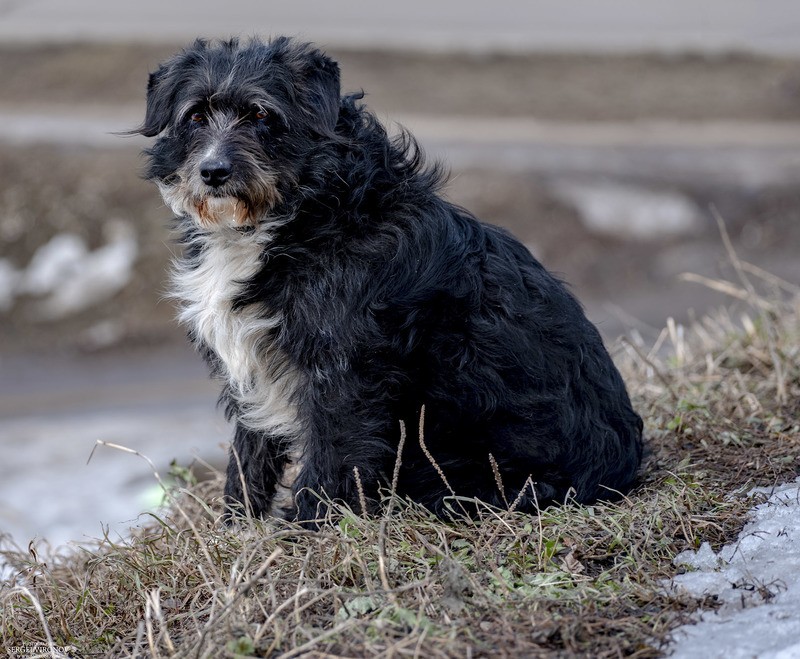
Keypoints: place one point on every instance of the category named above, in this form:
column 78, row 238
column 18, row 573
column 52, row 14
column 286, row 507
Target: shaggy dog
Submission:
column 336, row 294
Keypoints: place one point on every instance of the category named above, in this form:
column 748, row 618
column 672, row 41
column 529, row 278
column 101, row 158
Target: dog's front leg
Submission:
column 257, row 461
column 345, row 459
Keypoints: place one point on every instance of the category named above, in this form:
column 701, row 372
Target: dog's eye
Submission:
column 260, row 114
column 198, row 117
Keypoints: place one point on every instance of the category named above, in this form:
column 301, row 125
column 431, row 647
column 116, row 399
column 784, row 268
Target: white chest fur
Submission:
column 259, row 377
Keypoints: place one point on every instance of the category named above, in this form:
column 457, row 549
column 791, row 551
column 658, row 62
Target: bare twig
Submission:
column 427, row 453
column 498, row 478
column 387, row 513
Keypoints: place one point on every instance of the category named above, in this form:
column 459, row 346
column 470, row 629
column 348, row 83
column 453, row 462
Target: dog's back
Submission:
column 514, row 369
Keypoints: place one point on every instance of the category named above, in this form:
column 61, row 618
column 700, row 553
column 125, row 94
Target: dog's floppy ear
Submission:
column 162, row 89
column 164, row 85
column 322, row 79
column 318, row 77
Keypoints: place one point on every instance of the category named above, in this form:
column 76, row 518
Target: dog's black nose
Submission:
column 215, row 172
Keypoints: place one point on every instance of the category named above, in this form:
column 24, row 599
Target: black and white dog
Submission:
column 336, row 293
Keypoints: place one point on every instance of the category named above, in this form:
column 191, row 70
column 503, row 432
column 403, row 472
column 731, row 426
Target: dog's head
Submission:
column 236, row 125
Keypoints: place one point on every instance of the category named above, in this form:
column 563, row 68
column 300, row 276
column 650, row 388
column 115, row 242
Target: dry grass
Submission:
column 720, row 401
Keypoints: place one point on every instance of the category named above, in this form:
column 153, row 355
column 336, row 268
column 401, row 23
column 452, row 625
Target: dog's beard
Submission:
column 222, row 211
column 216, row 211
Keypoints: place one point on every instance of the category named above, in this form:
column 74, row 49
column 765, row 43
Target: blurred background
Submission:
column 601, row 134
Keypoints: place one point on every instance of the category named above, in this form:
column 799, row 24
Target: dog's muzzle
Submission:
column 215, row 172
column 221, row 191
column 224, row 209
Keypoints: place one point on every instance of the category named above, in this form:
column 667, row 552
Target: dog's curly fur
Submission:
column 336, row 293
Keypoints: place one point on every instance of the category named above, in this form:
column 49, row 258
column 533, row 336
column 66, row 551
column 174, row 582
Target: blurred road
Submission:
column 772, row 26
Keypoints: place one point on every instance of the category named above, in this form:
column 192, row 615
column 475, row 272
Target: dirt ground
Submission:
column 49, row 189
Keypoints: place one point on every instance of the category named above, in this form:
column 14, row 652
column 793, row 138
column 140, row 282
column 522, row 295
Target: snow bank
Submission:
column 757, row 578
column 68, row 276
column 631, row 211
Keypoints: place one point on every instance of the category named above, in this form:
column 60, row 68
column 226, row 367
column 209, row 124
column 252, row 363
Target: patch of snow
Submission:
column 68, row 276
column 757, row 578
column 49, row 491
column 631, row 212
column 702, row 559
column 53, row 263
column 95, row 278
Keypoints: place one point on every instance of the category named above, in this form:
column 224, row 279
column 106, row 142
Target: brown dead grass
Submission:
column 720, row 403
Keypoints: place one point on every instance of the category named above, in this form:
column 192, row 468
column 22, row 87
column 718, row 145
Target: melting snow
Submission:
column 757, row 578
column 53, row 263
column 68, row 276
column 630, row 211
